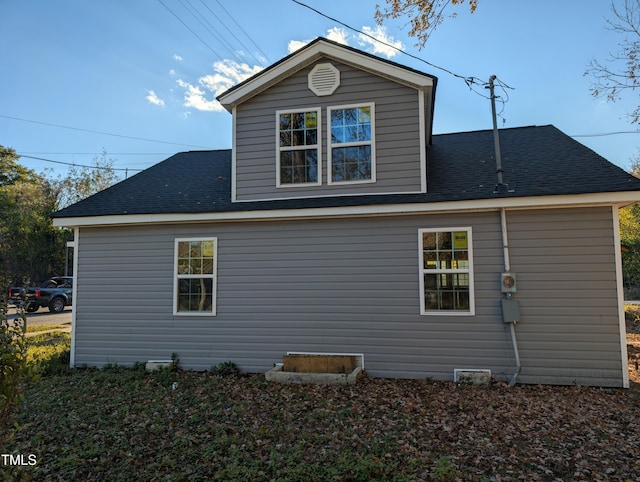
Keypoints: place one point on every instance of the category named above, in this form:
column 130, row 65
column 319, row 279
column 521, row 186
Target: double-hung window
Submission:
column 446, row 271
column 351, row 143
column 299, row 155
column 195, row 270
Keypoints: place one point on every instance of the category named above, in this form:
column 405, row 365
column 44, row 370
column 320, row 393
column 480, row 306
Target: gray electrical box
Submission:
column 510, row 311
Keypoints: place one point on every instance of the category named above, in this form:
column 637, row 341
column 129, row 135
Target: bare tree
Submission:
column 620, row 73
column 424, row 15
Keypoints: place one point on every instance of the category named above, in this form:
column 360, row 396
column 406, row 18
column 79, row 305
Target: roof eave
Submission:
column 530, row 202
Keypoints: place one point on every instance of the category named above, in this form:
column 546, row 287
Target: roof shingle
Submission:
column 537, row 161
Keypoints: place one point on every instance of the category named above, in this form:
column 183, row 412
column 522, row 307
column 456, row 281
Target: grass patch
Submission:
column 39, row 328
column 49, row 352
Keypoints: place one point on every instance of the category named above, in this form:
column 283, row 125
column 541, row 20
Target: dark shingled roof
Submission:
column 537, row 161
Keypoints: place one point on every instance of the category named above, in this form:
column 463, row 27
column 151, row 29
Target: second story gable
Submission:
column 329, row 120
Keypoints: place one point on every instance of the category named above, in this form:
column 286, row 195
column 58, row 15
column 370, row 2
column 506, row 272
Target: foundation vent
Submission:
column 324, row 79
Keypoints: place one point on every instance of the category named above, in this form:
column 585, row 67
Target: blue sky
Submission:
column 148, row 71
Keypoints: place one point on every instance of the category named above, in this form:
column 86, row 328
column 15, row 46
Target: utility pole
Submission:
column 496, row 138
column 500, row 188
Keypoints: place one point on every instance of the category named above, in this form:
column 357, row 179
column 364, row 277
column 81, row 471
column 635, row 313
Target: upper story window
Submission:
column 351, row 144
column 299, row 155
column 446, row 271
column 195, row 272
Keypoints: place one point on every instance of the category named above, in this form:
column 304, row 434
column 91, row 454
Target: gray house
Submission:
column 338, row 224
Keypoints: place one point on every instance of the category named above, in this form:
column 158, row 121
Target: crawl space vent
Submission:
column 324, row 79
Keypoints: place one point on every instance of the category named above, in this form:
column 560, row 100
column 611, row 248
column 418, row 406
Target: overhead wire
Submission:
column 246, row 49
column 209, row 27
column 244, row 32
column 100, row 132
column 191, row 30
column 127, row 169
column 602, row 134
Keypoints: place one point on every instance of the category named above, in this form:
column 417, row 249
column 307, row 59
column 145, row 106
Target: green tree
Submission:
column 424, row 15
column 629, row 218
column 11, row 172
column 30, row 246
column 620, row 74
column 81, row 182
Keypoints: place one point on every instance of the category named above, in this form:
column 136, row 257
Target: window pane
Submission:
column 183, row 249
column 183, row 266
column 195, row 249
column 195, row 294
column 285, row 138
column 299, row 166
column 351, row 163
column 429, row 241
column 351, row 125
column 207, row 249
column 444, row 241
column 195, row 266
column 297, row 120
column 207, row 266
column 285, row 122
column 312, row 137
column 311, row 120
column 298, row 138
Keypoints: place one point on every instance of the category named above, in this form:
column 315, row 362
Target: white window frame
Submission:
column 371, row 142
column 317, row 146
column 177, row 277
column 469, row 271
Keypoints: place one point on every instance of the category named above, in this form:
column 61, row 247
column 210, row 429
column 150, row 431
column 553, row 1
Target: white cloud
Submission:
column 177, row 57
column 226, row 74
column 296, row 45
column 341, row 36
column 380, row 33
column 172, row 72
column 153, row 98
column 338, row 34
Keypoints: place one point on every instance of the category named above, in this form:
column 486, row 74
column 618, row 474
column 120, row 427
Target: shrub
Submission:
column 13, row 367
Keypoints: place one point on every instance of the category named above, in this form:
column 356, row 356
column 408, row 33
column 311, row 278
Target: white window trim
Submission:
column 214, row 277
column 422, row 270
column 371, row 143
column 318, row 111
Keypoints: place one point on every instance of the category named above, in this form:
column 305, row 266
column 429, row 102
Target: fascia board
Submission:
column 306, row 56
column 542, row 202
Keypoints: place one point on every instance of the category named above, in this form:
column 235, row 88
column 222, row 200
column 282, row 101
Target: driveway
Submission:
column 44, row 317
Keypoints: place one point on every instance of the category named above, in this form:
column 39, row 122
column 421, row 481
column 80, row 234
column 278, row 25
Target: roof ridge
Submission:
column 489, row 130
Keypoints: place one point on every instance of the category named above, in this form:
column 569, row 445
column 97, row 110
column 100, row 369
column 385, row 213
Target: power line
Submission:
column 209, row 27
column 190, row 30
column 231, row 32
column 602, row 134
column 80, row 165
column 100, row 153
column 244, row 32
column 99, row 132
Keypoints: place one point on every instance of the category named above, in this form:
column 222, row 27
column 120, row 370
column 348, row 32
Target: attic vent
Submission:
column 324, row 79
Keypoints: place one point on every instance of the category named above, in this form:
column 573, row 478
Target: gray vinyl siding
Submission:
column 351, row 286
column 397, row 137
column 567, row 288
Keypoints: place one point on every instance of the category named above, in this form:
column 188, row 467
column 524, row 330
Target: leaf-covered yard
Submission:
column 127, row 424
